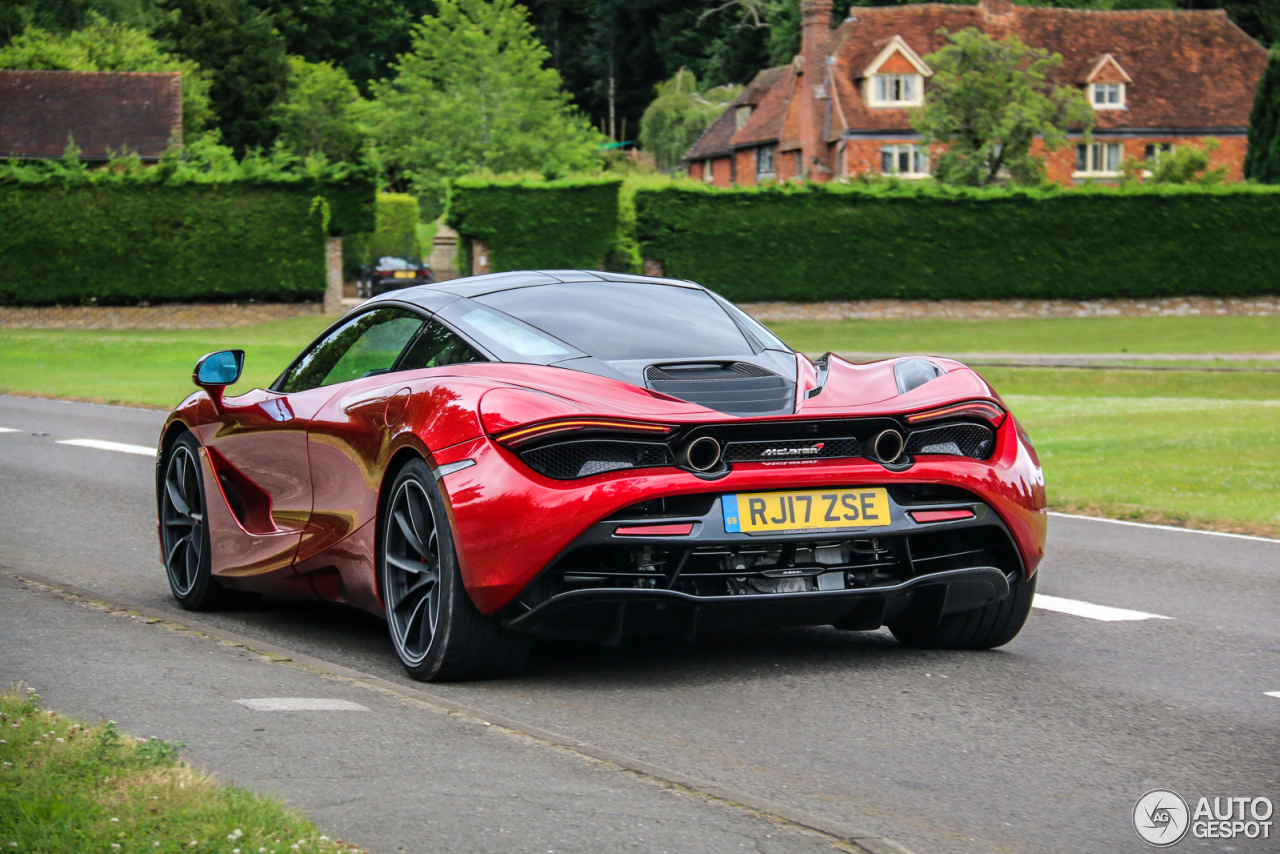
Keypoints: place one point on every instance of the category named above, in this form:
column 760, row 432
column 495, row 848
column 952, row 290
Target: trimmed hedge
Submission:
column 157, row 243
column 846, row 242
column 533, row 225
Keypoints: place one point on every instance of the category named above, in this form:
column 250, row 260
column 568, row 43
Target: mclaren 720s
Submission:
column 592, row 456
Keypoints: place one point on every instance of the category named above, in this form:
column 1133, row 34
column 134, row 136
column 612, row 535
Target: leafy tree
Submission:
column 473, row 94
column 1186, row 164
column 246, row 57
column 679, row 114
column 362, row 37
column 63, row 16
column 988, row 101
column 1262, row 162
column 104, row 46
column 322, row 112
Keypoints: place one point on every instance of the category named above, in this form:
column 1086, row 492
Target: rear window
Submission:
column 622, row 320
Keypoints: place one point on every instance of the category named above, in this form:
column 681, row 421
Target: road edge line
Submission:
column 865, row 841
column 1165, row 527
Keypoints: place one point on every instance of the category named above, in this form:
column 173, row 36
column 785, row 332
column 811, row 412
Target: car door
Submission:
column 257, row 444
column 351, row 434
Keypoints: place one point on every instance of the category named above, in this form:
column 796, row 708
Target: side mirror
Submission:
column 215, row 371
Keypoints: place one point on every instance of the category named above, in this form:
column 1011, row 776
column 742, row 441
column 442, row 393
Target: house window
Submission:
column 1155, row 151
column 708, row 171
column 799, row 165
column 896, row 90
column 741, row 116
column 1099, row 158
column 1107, row 96
column 904, row 160
column 764, row 161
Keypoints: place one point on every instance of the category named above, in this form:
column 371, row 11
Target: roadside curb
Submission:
column 862, row 841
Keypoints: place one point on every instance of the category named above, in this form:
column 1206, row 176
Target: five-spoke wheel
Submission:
column 412, row 574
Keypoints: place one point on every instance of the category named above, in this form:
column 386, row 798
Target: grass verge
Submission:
column 65, row 787
column 1049, row 335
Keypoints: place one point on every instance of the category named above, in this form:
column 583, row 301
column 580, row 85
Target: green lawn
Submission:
column 1197, row 447
column 1057, row 335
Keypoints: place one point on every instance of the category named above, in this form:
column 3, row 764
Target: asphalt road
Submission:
column 1042, row 746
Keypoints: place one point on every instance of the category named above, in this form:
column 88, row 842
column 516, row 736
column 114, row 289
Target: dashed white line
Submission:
column 9, row 430
column 301, row 704
column 141, row 450
column 1165, row 527
column 1093, row 612
column 1272, row 694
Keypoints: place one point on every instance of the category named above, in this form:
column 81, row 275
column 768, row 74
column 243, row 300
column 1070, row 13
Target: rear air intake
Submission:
column 735, row 388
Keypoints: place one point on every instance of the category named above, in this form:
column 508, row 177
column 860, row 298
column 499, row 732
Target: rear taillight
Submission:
column 984, row 409
column 524, row 435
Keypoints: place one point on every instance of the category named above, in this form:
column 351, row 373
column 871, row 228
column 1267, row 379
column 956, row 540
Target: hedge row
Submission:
column 836, row 242
column 535, row 225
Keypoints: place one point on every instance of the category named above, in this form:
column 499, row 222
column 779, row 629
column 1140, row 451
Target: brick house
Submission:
column 1156, row 79
column 103, row 111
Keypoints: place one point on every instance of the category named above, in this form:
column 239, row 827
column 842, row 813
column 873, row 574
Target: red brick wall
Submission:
column 722, row 172
column 746, row 160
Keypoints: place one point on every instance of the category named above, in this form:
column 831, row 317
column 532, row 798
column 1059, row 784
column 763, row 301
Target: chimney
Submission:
column 815, row 45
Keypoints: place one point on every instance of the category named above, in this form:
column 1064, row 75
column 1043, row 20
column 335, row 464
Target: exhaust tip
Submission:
column 887, row 446
column 702, row 454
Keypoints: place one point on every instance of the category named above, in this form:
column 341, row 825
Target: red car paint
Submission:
column 312, row 466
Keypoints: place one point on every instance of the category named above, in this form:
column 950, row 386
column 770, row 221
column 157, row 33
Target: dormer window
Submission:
column 1107, row 96
column 896, row 90
column 741, row 116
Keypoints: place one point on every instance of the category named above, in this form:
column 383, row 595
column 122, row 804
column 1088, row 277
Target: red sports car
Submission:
column 596, row 456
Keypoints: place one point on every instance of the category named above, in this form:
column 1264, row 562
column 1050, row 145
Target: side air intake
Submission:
column 735, row 388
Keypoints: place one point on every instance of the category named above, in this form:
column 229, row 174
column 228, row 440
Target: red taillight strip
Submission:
column 940, row 515
column 984, row 409
column 678, row 530
column 523, row 435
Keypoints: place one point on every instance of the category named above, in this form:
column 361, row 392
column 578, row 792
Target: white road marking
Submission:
column 1272, row 693
column 1094, row 612
column 1165, row 527
column 141, row 450
column 301, row 704
column 9, row 430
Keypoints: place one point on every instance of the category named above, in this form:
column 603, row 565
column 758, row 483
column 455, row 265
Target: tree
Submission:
column 104, row 46
column 246, row 58
column 321, row 113
column 1262, row 162
column 1186, row 164
column 473, row 95
column 678, row 115
column 988, row 101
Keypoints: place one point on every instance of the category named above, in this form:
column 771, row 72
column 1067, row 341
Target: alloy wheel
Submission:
column 182, row 518
column 412, row 572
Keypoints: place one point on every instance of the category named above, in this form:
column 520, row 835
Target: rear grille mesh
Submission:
column 568, row 460
column 734, row 371
column 964, row 440
column 792, row 449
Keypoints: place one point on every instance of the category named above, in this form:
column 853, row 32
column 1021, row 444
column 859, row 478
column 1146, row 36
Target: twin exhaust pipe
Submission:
column 704, row 453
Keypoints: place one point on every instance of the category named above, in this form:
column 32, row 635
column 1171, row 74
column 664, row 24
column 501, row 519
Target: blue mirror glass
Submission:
column 221, row 368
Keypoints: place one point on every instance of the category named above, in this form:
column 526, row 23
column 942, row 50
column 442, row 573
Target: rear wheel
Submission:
column 985, row 627
column 436, row 629
column 184, row 533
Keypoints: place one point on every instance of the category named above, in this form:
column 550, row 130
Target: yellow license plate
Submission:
column 405, row 274
column 822, row 509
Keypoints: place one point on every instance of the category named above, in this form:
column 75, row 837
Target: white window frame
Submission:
column 1107, row 89
column 708, row 171
column 1097, row 155
column 742, row 116
column 1158, row 150
column 918, row 159
column 890, row 90
column 772, row 151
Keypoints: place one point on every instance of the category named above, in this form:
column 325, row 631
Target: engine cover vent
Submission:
column 734, row 388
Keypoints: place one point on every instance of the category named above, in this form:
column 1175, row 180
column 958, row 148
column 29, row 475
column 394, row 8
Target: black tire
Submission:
column 436, row 630
column 184, row 534
column 986, row 627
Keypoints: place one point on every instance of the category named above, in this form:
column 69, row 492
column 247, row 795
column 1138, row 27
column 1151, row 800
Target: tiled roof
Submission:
column 1190, row 69
column 714, row 141
column 101, row 110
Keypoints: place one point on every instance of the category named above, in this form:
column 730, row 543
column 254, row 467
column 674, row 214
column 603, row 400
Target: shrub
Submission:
column 531, row 224
column 844, row 242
